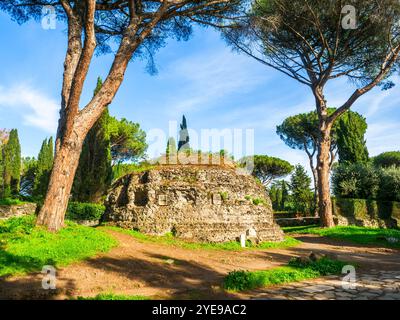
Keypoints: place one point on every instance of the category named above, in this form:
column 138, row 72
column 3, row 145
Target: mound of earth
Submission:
column 203, row 203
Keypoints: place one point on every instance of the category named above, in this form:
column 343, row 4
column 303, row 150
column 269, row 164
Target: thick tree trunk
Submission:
column 62, row 177
column 323, row 169
column 75, row 122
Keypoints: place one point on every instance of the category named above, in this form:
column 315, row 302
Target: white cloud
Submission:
column 35, row 108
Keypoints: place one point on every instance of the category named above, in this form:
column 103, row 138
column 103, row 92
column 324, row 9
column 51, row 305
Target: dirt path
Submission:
column 160, row 271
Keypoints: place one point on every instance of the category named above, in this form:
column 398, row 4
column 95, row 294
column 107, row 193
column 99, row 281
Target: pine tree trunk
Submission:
column 323, row 169
column 62, row 177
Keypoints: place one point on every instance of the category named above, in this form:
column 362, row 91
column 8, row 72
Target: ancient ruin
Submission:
column 202, row 203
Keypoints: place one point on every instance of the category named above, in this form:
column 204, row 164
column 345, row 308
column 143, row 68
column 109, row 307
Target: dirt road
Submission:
column 167, row 272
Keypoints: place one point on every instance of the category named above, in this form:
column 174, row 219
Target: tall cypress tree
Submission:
column 44, row 166
column 300, row 186
column 284, row 195
column 94, row 173
column 4, row 134
column 11, row 165
column 351, row 142
column 184, row 139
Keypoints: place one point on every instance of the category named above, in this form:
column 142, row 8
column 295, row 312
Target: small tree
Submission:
column 128, row 141
column 275, row 193
column 300, row 187
column 267, row 169
column 43, row 169
column 315, row 42
column 279, row 194
column 11, row 165
column 285, row 194
column 350, row 130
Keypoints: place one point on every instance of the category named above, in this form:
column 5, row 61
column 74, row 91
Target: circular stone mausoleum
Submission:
column 202, row 203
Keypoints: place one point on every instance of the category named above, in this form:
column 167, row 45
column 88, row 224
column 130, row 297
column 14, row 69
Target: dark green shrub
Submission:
column 297, row 270
column 360, row 181
column 84, row 211
column 238, row 280
column 323, row 266
column 389, row 186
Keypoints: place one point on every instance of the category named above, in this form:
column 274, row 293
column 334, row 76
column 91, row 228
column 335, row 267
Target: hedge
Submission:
column 84, row 211
column 362, row 208
column 364, row 181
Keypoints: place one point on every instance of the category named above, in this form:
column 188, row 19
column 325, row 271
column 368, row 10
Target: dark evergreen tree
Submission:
column 301, row 193
column 43, row 168
column 351, row 142
column 284, row 195
column 184, row 139
column 11, row 165
column 94, row 173
column 275, row 193
column 4, row 134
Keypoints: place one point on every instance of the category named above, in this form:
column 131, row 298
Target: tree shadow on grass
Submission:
column 24, row 288
column 14, row 264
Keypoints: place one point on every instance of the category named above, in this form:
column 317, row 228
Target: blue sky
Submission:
column 201, row 78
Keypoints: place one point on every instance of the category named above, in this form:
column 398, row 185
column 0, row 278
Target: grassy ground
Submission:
column 111, row 296
column 26, row 248
column 359, row 235
column 169, row 239
column 295, row 271
column 11, row 202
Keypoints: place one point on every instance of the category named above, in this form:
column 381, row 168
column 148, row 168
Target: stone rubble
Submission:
column 374, row 285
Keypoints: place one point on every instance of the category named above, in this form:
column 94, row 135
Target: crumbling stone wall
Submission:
column 203, row 203
column 17, row 210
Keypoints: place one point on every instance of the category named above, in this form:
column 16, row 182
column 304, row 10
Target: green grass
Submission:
column 11, row 202
column 359, row 235
column 111, row 296
column 26, row 248
column 299, row 229
column 293, row 272
column 169, row 239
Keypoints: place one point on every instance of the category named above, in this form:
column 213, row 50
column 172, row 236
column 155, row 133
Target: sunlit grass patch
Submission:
column 362, row 235
column 26, row 248
column 169, row 239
